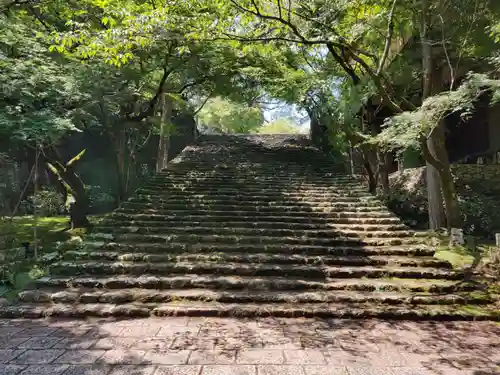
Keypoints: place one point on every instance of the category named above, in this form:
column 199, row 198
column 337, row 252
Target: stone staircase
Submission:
column 253, row 226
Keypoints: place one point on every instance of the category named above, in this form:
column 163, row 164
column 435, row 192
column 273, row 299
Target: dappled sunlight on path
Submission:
column 194, row 346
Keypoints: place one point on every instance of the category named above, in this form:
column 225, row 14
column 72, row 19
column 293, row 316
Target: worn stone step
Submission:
column 314, row 218
column 237, row 167
column 229, row 219
column 257, row 179
column 173, row 247
column 255, row 283
column 326, row 310
column 252, row 186
column 162, row 196
column 347, row 239
column 89, row 295
column 241, row 269
column 283, row 205
column 255, row 175
column 249, row 225
column 269, row 232
column 259, row 258
column 152, row 188
column 272, row 195
column 262, row 170
column 248, row 207
column 237, row 213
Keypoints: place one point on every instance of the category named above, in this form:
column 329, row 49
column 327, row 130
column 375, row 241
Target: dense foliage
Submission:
column 374, row 76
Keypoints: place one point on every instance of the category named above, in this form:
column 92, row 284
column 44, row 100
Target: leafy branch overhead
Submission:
column 407, row 129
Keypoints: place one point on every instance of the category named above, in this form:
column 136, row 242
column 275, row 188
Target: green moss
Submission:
column 457, row 259
column 476, row 310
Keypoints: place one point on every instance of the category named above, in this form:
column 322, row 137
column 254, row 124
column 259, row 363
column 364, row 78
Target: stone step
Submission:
column 269, row 232
column 240, row 215
column 347, row 239
column 259, row 258
column 118, row 297
column 238, row 167
column 240, row 269
column 273, row 189
column 172, row 247
column 248, row 207
column 261, row 167
column 253, row 185
column 162, row 196
column 255, row 283
column 127, row 222
column 257, row 174
column 287, row 205
column 327, row 310
column 229, row 220
column 232, row 194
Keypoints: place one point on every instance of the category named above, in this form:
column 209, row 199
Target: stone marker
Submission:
column 457, row 237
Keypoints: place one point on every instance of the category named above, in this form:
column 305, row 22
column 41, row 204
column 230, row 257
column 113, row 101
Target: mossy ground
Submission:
column 19, row 230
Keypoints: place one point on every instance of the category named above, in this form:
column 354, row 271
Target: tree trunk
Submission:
column 435, row 201
column 383, row 171
column 453, row 213
column 119, row 143
column 164, row 142
column 76, row 198
column 434, row 197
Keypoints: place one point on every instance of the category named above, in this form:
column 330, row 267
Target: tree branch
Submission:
column 202, row 104
column 152, row 104
column 429, row 157
column 257, row 13
column 388, row 39
column 347, row 68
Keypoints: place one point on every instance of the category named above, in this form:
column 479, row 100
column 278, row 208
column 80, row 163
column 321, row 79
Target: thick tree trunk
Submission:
column 76, row 198
column 453, row 214
column 164, row 142
column 118, row 139
column 434, row 197
column 435, row 202
column 383, row 171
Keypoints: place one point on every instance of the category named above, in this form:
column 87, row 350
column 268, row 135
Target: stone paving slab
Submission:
column 212, row 346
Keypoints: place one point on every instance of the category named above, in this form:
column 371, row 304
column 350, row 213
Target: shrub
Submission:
column 47, row 202
column 100, row 198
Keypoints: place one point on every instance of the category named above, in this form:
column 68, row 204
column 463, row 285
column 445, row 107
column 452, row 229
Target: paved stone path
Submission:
column 198, row 346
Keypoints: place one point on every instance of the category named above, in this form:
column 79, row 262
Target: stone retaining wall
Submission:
column 467, row 173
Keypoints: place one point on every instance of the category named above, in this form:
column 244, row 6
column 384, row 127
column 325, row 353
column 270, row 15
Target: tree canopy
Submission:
column 122, row 69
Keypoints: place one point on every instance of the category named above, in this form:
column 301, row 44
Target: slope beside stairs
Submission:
column 253, row 226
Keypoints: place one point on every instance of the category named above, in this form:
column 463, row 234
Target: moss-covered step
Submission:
column 159, row 222
column 157, row 188
column 340, row 240
column 326, row 310
column 257, row 283
column 178, row 247
column 249, row 207
column 261, row 195
column 252, row 221
column 245, row 269
column 246, row 231
column 162, row 196
column 357, row 214
column 87, row 295
column 258, row 258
